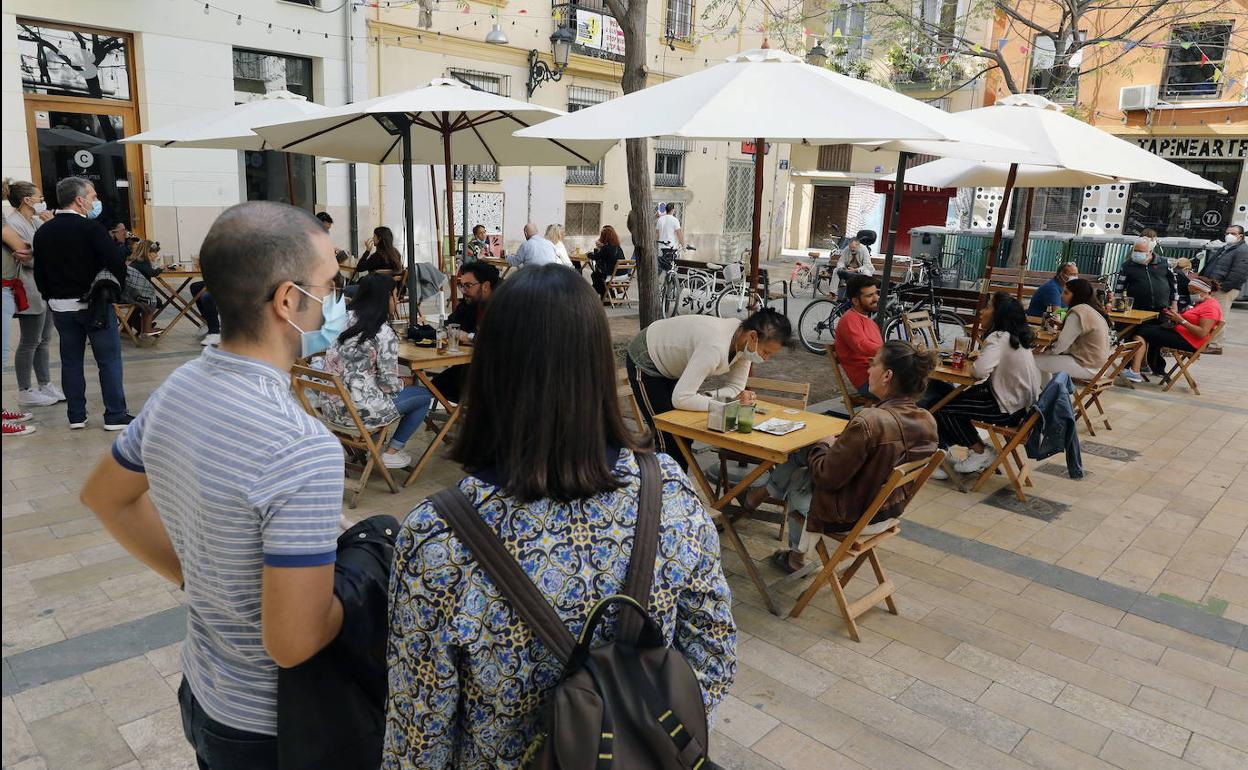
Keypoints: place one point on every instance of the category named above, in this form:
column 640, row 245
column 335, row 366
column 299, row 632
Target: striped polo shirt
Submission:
column 242, row 477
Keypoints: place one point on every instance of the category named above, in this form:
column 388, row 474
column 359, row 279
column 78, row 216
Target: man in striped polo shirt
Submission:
column 224, row 485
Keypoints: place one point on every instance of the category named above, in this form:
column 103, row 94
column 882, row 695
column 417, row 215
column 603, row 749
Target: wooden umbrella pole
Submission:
column 756, row 235
column 409, row 224
column 449, row 260
column 890, row 247
column 437, row 222
column 992, row 253
column 1022, row 262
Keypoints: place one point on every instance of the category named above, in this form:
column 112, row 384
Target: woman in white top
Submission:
column 1010, row 383
column 35, row 344
column 554, row 234
column 1082, row 346
column 669, row 361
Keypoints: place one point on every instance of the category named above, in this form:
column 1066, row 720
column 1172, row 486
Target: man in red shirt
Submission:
column 857, row 335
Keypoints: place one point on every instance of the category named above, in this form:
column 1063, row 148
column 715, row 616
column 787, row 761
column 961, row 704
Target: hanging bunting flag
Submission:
column 837, row 33
column 1203, row 58
column 1001, row 43
column 944, row 57
column 1023, row 49
column 977, row 49
column 865, row 37
column 1127, row 45
column 1103, row 44
column 1185, row 45
column 1217, row 75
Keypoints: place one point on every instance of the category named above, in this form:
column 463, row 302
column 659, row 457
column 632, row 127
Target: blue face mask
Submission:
column 1140, row 257
column 96, row 208
column 333, row 322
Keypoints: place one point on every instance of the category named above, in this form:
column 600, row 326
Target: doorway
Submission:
column 827, row 216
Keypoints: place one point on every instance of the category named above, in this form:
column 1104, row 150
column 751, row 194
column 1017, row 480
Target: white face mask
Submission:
column 753, row 356
column 40, row 207
column 1231, row 239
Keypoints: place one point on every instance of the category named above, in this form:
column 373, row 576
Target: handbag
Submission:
column 423, row 335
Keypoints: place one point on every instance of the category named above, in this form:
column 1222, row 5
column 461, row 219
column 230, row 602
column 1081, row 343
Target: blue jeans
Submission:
column 106, row 347
column 221, row 747
column 207, row 307
column 413, row 403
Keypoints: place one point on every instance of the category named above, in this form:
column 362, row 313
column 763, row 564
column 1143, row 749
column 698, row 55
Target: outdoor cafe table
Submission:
column 768, row 450
column 1129, row 319
column 164, row 283
column 419, row 359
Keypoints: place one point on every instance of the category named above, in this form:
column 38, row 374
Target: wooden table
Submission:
column 961, row 378
column 769, row 450
column 173, row 295
column 502, row 265
column 419, row 359
column 1129, row 319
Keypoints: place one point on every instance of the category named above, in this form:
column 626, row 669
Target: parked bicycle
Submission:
column 689, row 291
column 817, row 323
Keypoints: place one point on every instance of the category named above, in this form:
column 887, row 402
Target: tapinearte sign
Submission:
column 1196, row 147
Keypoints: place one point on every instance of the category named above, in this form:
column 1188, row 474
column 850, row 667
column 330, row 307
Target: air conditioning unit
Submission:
column 1137, row 98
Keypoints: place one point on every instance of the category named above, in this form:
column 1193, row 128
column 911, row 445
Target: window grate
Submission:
column 835, row 157
column 582, row 219
column 680, row 20
column 1185, row 76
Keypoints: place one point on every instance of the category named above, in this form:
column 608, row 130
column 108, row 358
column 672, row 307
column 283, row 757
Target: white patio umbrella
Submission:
column 954, row 172
column 230, row 128
column 430, row 125
column 769, row 95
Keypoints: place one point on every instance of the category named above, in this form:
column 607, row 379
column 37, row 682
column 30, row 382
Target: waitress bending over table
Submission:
column 669, row 361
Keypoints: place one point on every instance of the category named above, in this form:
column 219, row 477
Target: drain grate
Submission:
column 1108, row 451
column 1035, row 507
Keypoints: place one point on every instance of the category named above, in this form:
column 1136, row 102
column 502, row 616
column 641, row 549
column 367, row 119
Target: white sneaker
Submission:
column 399, row 459
column 52, row 391
column 78, row 425
column 32, row 397
column 975, row 462
column 877, row 527
column 940, row 474
column 1132, row 376
column 210, row 339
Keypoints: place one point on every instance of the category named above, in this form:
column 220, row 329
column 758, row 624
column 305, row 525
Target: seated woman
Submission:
column 1082, row 346
column 1189, row 328
column 1010, row 384
column 669, row 361
column 553, row 470
column 554, row 234
column 830, row 488
column 605, row 256
column 139, row 290
column 366, row 357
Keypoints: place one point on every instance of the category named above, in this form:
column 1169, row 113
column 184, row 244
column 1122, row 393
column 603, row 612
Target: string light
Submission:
column 205, row 9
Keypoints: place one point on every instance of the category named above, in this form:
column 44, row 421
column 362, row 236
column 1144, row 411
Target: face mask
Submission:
column 40, row 207
column 753, row 356
column 333, row 322
column 1231, row 239
column 1139, row 257
column 96, row 208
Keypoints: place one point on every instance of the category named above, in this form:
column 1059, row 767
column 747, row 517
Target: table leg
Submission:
column 453, row 412
column 959, row 390
column 699, row 478
column 174, row 297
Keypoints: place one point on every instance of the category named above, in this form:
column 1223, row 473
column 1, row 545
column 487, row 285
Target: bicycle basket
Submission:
column 733, row 272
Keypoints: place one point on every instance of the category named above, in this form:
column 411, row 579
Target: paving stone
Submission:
column 785, row 667
column 1210, row 754
column 1173, row 637
column 818, row 719
column 1200, row 720
column 1011, row 674
column 1205, row 671
column 1059, row 724
column 860, row 669
column 1230, row 704
column 947, row 676
column 768, row 627
column 954, row 602
column 1047, row 753
column 909, row 632
column 1109, row 637
column 17, row 745
column 730, row 755
column 887, row 716
column 1131, row 754
column 881, row 752
column 794, row 751
column 53, row 698
column 741, row 722
column 1151, row 675
column 1018, row 605
column 1006, row 581
column 158, row 741
column 1128, row 721
column 952, row 711
column 965, row 753
column 129, row 690
column 1065, row 644
column 83, row 738
column 1035, row 507
column 981, row 636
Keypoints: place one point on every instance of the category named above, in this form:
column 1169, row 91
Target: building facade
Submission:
column 79, row 76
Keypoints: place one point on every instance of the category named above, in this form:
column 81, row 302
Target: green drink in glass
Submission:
column 745, row 418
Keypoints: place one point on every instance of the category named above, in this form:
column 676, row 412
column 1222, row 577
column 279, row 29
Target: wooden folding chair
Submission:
column 356, row 438
column 920, row 331
column 1007, row 441
column 849, row 395
column 1089, row 393
column 852, row 544
column 1183, row 360
column 628, row 402
column 125, row 312
column 620, row 282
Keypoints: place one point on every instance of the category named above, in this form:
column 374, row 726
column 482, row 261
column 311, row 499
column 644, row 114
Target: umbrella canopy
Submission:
column 230, row 128
column 953, row 172
column 481, row 123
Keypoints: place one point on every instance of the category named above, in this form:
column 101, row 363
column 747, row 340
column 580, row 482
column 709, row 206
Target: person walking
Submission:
column 70, row 251
column 226, row 487
column 35, row 322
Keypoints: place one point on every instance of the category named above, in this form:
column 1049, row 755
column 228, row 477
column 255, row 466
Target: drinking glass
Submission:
column 745, row 418
column 452, row 338
column 1128, row 303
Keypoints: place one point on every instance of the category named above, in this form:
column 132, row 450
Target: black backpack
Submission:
column 632, row 703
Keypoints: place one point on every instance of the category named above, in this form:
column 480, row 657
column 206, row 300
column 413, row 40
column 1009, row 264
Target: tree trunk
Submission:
column 1022, row 227
column 632, row 20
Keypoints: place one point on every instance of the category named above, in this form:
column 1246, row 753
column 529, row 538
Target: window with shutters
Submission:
column 582, row 218
column 1056, row 209
column 1194, row 57
column 835, row 157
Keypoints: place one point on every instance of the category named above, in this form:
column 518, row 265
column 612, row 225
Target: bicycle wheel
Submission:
column 817, row 324
column 733, row 302
column 671, row 295
column 699, row 297
column 801, row 281
column 948, row 328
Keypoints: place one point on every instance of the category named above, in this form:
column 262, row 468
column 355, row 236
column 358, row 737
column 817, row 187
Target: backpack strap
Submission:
column 640, row 576
column 508, row 576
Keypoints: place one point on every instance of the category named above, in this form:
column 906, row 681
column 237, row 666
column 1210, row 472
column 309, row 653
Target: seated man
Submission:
column 1050, row 292
column 857, row 334
column 477, row 280
column 828, row 490
column 855, row 260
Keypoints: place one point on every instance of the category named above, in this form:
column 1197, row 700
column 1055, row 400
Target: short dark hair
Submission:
column 1239, row 227
column 910, row 366
column 69, row 188
column 858, row 284
column 325, row 217
column 547, row 341
column 1009, row 316
column 249, row 250
column 771, row 325
column 475, row 228
column 485, row 273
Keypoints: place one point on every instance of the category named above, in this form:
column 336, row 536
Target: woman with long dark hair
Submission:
column 380, row 253
column 366, row 357
column 554, row 472
column 606, row 254
column 1082, row 346
column 1010, row 383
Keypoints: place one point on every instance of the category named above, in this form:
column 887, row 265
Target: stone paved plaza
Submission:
column 1099, row 627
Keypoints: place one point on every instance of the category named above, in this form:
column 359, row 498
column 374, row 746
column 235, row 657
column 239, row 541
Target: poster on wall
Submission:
column 589, row 29
column 612, row 36
column 484, row 208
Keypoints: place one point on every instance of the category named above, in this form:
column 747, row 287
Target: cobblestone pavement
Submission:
column 1100, row 627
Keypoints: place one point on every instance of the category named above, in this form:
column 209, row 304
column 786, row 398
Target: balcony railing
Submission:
column 562, row 13
column 476, row 173
column 585, row 174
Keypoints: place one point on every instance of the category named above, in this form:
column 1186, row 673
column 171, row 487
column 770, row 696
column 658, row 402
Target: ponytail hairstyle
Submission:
column 15, row 192
column 910, row 365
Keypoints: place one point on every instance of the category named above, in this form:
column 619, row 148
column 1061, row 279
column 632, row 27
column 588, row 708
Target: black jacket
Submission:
column 465, row 314
column 605, row 258
column 331, row 708
column 69, row 251
column 1228, row 266
column 1151, row 285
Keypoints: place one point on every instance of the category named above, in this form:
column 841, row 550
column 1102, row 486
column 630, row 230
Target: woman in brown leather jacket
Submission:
column 842, row 474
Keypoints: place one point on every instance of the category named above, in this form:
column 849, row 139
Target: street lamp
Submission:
column 817, row 56
column 561, row 41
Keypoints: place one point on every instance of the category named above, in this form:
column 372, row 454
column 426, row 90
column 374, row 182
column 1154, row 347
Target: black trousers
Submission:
column 1156, row 337
column 654, row 396
column 220, row 747
column 953, row 421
